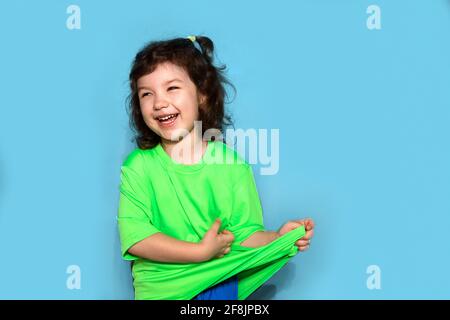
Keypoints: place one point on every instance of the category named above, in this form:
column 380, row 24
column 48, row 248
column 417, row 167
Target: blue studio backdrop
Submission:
column 359, row 91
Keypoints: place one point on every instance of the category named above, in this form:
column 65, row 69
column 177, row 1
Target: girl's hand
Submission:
column 303, row 243
column 214, row 245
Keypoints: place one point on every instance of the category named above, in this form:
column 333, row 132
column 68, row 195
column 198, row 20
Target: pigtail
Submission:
column 207, row 47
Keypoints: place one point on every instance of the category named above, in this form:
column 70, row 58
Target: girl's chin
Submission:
column 174, row 135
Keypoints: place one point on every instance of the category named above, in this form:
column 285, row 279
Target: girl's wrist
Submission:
column 200, row 253
column 277, row 235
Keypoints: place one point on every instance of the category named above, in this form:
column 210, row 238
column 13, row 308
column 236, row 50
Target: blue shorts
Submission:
column 225, row 290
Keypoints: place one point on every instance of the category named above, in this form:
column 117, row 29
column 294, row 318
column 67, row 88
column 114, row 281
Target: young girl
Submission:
column 189, row 217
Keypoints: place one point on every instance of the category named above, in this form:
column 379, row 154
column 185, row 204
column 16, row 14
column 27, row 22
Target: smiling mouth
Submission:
column 168, row 120
column 165, row 118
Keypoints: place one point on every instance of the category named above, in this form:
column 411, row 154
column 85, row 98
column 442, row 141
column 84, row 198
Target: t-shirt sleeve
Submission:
column 246, row 217
column 134, row 214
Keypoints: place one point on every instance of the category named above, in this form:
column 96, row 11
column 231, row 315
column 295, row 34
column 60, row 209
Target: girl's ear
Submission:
column 202, row 99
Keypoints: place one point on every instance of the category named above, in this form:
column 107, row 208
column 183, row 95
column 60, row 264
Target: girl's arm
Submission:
column 163, row 248
column 260, row 238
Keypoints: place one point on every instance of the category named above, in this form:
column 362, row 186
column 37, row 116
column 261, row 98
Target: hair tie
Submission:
column 196, row 44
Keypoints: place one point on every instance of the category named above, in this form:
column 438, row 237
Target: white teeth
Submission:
column 167, row 117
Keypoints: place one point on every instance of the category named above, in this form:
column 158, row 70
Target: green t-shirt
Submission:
column 158, row 194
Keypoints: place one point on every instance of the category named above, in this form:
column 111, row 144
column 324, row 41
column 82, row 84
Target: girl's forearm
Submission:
column 260, row 238
column 163, row 248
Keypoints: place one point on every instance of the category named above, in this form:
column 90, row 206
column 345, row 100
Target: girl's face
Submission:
column 168, row 91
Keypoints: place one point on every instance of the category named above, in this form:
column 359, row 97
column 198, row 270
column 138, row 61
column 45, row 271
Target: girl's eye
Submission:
column 147, row 93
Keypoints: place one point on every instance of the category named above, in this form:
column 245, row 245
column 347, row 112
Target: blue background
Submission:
column 364, row 138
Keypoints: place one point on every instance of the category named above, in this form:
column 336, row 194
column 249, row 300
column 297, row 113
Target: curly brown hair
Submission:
column 198, row 63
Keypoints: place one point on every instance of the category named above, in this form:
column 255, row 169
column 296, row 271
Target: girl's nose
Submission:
column 160, row 103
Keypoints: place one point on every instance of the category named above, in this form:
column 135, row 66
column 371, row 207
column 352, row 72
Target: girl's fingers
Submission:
column 227, row 237
column 303, row 248
column 308, row 235
column 302, row 242
column 309, row 224
column 226, row 232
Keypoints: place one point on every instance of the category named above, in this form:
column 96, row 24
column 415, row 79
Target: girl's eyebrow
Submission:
column 167, row 82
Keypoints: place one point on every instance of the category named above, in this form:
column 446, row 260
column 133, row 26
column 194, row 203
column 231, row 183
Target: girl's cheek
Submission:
column 148, row 116
column 146, row 109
